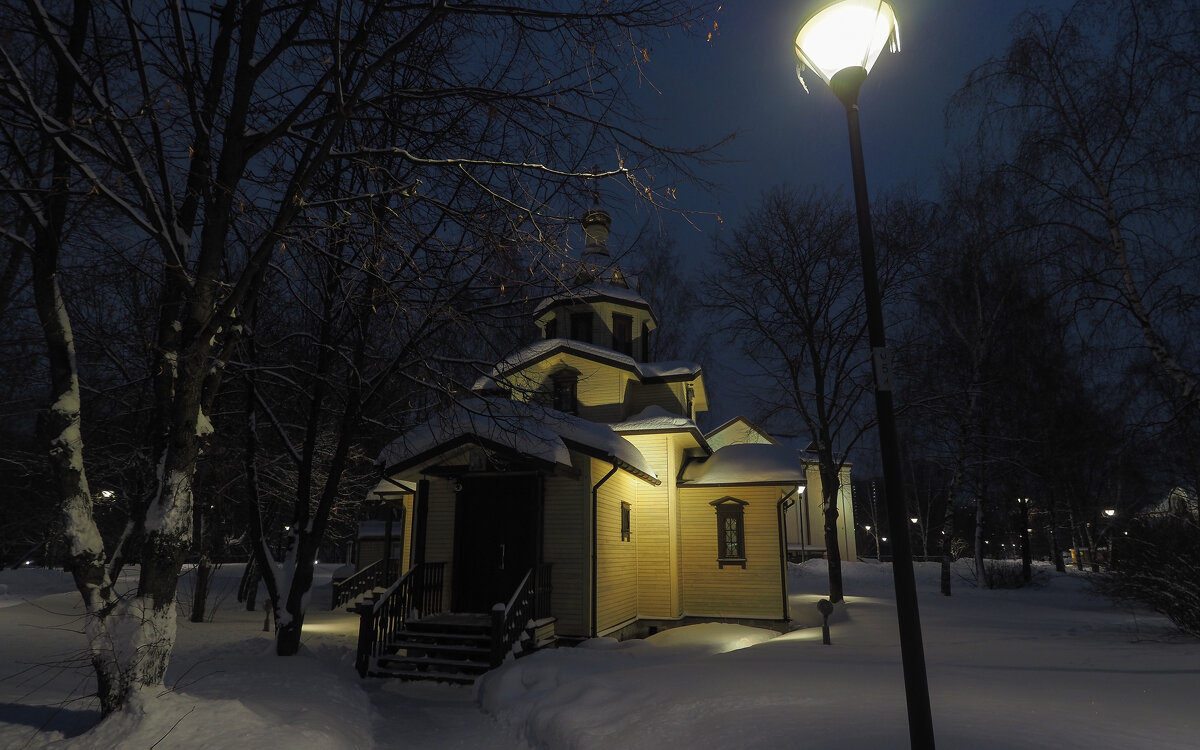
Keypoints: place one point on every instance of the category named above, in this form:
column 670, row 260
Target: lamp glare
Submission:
column 847, row 34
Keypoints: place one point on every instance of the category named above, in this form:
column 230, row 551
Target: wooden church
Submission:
column 574, row 495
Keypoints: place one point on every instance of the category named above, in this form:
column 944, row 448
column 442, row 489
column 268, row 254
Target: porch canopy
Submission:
column 528, row 429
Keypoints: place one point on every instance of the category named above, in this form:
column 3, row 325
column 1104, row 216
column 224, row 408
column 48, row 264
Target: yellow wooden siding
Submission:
column 567, row 547
column 603, row 321
column 732, row 591
column 652, row 531
column 846, row 535
column 739, row 431
column 669, row 396
column 599, row 389
column 602, row 313
column 439, row 531
column 616, row 559
column 677, row 455
column 410, row 504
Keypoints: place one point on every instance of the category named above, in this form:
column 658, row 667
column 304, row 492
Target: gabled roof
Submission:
column 388, row 487
column 655, row 419
column 739, row 430
column 651, row 372
column 745, row 464
column 530, row 430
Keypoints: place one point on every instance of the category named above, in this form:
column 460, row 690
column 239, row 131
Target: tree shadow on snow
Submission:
column 66, row 721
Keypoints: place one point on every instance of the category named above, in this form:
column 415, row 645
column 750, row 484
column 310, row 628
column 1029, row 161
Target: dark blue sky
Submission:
column 744, row 82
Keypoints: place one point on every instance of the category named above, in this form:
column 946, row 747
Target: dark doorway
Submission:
column 496, row 542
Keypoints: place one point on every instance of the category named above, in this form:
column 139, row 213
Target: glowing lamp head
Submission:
column 1110, row 512
column 842, row 41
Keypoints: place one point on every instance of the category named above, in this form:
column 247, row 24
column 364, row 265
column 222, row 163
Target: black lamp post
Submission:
column 840, row 43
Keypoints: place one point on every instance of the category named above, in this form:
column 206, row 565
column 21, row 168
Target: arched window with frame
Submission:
column 731, row 531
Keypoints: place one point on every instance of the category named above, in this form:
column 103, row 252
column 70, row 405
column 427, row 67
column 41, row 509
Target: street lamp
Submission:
column 840, row 43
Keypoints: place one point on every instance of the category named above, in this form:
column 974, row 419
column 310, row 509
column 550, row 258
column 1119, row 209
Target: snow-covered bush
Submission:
column 1158, row 563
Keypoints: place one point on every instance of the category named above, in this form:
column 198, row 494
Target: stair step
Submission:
column 416, row 626
column 446, row 647
column 463, row 665
column 405, row 674
column 408, row 634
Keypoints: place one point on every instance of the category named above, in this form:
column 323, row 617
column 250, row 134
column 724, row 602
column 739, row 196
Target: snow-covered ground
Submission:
column 1046, row 667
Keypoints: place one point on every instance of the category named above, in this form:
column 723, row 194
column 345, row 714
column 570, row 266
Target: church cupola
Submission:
column 596, row 222
column 600, row 309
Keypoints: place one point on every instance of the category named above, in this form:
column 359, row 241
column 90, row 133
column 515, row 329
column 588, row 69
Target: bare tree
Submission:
column 1093, row 114
column 209, row 131
column 787, row 291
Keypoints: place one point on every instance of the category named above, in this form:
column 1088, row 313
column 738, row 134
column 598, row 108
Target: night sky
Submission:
column 744, row 82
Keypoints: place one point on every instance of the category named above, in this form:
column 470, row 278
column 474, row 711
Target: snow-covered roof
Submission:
column 655, row 419
column 677, row 368
column 591, row 292
column 388, row 487
column 548, row 347
column 527, row 429
column 746, row 463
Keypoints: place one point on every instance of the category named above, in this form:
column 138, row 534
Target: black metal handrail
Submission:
column 509, row 620
column 358, row 584
column 418, row 593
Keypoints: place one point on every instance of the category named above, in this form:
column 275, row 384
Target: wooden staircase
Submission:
column 448, row 648
column 405, row 634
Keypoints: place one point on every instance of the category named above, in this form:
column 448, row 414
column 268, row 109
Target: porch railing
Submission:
column 371, row 577
column 530, row 602
column 417, row 593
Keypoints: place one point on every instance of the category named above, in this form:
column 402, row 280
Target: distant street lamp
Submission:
column 840, row 43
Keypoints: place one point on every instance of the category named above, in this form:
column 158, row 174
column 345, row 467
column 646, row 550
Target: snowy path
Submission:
column 409, row 715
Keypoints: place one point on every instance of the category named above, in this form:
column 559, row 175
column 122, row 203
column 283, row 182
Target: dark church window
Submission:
column 552, row 328
column 564, row 392
column 581, row 327
column 623, row 334
column 626, row 533
column 645, row 342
